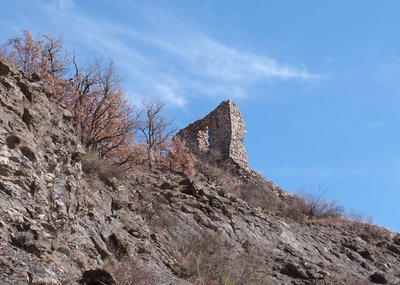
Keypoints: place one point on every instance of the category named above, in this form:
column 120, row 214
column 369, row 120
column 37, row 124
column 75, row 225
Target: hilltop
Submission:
column 63, row 221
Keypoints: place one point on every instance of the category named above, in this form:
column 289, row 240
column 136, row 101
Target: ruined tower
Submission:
column 221, row 130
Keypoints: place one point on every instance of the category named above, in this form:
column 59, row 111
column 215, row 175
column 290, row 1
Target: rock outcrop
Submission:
column 59, row 225
column 56, row 223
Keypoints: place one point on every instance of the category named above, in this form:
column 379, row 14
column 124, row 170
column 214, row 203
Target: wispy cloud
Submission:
column 168, row 58
column 218, row 61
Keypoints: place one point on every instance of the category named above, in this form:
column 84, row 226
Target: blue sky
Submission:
column 317, row 81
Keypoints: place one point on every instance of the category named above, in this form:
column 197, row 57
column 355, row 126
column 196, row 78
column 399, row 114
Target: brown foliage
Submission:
column 102, row 116
column 180, row 156
column 26, row 54
column 45, row 56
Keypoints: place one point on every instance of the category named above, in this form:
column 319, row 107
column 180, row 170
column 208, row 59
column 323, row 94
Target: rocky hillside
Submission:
column 61, row 225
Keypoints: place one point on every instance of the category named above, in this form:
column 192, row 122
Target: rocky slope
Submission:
column 59, row 225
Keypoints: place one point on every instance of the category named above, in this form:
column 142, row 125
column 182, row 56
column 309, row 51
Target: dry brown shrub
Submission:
column 312, row 206
column 93, row 165
column 24, row 239
column 257, row 196
column 44, row 56
column 201, row 256
column 216, row 172
column 132, row 271
column 368, row 231
column 180, row 157
column 206, row 259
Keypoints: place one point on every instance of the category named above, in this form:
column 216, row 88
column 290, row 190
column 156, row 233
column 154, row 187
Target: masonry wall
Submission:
column 222, row 130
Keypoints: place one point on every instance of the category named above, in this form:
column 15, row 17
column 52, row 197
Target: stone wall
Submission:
column 222, row 130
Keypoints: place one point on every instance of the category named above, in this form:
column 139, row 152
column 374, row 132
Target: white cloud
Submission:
column 169, row 94
column 219, row 61
column 168, row 57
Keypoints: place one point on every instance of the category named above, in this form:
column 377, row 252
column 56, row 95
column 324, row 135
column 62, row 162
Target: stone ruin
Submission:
column 222, row 131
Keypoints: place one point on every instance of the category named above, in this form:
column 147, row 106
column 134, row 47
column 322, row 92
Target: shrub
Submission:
column 214, row 171
column 93, row 165
column 312, row 205
column 180, row 157
column 207, row 260
column 368, row 231
column 132, row 271
column 257, row 196
column 24, row 239
column 202, row 256
column 303, row 206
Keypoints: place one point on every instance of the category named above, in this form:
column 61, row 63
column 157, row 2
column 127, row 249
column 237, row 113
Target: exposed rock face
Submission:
column 59, row 225
column 38, row 150
column 56, row 223
column 222, row 130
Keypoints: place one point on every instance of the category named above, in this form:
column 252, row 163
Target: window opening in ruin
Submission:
column 207, row 138
column 203, row 139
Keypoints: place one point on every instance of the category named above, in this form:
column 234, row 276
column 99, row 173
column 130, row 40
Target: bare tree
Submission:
column 154, row 128
column 103, row 116
column 55, row 54
column 101, row 113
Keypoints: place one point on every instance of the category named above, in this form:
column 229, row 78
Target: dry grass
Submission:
column 202, row 255
column 260, row 197
column 206, row 259
column 306, row 206
column 93, row 165
column 311, row 206
column 132, row 271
